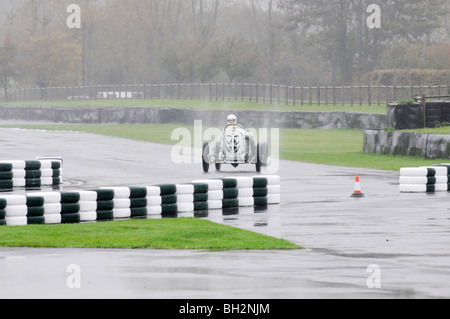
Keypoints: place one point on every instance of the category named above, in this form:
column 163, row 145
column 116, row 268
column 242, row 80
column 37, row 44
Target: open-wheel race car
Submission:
column 237, row 146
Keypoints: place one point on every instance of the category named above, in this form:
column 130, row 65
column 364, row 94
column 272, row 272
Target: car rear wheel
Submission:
column 258, row 159
column 205, row 159
column 218, row 166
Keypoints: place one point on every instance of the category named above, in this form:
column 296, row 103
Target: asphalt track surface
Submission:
column 404, row 237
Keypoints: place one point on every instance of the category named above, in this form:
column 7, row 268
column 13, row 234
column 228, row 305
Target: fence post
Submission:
column 287, row 95
column 424, row 107
column 223, row 91
column 334, row 95
column 351, row 95
column 278, row 94
column 310, row 95
column 270, row 93
column 257, row 92
column 318, row 95
column 360, row 95
column 293, row 95
column 302, row 95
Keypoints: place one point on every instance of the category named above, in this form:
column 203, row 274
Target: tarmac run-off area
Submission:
column 385, row 245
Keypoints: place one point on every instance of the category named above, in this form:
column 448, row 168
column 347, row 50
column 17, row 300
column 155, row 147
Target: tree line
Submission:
column 301, row 42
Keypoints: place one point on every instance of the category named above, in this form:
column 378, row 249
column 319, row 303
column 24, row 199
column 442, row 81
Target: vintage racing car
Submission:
column 236, row 146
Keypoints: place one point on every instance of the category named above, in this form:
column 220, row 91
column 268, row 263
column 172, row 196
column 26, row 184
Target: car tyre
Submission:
column 205, row 157
column 258, row 159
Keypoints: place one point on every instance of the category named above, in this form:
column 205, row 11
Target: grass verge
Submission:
column 237, row 105
column 438, row 130
column 337, row 147
column 182, row 233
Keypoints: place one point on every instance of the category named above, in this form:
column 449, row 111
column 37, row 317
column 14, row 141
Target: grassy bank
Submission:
column 238, row 105
column 438, row 130
column 331, row 147
column 182, row 233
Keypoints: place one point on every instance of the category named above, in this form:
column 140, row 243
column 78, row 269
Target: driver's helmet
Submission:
column 232, row 119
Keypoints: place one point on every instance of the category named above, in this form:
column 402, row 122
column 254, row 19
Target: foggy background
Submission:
column 288, row 42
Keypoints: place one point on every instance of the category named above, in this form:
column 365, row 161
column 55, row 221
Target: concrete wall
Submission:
column 431, row 146
column 141, row 115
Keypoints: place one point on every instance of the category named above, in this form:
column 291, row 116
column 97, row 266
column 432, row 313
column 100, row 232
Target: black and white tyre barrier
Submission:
column 70, row 207
column 230, row 193
column 185, row 198
column 111, row 203
column 245, row 191
column 154, row 201
column 168, row 199
column 52, row 206
column 105, row 204
column 119, row 205
column 16, row 210
column 426, row 179
column 215, row 192
column 29, row 174
column 201, row 197
column 138, row 202
column 88, row 206
column 273, row 189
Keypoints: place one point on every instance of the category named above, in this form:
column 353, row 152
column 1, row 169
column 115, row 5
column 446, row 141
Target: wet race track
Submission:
column 386, row 245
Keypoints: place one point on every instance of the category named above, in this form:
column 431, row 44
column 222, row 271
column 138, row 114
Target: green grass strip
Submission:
column 181, row 233
column 237, row 105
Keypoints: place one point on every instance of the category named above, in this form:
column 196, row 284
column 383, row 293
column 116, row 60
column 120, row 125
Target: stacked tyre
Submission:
column 105, row 204
column 35, row 210
column 70, row 207
column 200, row 197
column 446, row 165
column 273, row 189
column 185, row 198
column 245, row 191
column 88, row 206
column 168, row 199
column 29, row 174
column 138, row 202
column 32, row 174
column 52, row 206
column 417, row 180
column 18, row 170
column 57, row 174
column 260, row 191
column 154, row 201
column 230, row 193
column 121, row 203
column 15, row 210
column 215, row 192
column 6, row 176
column 441, row 178
column 2, row 212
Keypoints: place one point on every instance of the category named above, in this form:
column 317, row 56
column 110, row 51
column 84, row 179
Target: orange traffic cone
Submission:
column 358, row 192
